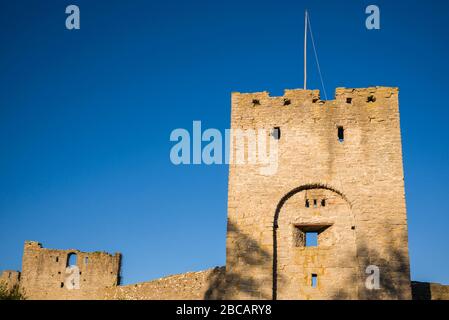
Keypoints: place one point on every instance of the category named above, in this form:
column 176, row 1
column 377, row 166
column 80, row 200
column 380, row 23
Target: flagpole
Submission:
column 305, row 50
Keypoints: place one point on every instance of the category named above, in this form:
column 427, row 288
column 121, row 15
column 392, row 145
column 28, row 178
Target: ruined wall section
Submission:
column 429, row 291
column 366, row 168
column 10, row 278
column 45, row 274
column 187, row 286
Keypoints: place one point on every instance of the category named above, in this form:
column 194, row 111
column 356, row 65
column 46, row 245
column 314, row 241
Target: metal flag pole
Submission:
column 305, row 50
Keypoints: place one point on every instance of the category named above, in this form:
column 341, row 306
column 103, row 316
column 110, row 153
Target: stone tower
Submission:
column 339, row 178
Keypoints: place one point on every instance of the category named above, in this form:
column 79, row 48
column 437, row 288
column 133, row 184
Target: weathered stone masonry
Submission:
column 339, row 176
column 44, row 273
column 361, row 179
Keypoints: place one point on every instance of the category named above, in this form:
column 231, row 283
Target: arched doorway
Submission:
column 320, row 268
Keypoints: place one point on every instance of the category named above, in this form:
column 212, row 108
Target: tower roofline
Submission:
column 315, row 93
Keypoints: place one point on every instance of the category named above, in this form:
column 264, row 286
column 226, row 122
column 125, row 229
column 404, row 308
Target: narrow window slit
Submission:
column 314, row 282
column 276, row 133
column 341, row 134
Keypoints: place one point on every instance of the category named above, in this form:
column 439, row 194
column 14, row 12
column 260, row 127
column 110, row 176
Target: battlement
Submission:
column 32, row 244
column 298, row 97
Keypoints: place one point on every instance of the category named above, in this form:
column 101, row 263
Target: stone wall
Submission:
column 46, row 273
column 187, row 286
column 361, row 176
column 10, row 278
column 44, row 276
column 429, row 291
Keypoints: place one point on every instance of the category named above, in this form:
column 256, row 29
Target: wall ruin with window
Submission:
column 46, row 273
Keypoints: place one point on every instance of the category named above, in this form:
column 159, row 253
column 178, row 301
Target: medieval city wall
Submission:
column 201, row 285
column 338, row 174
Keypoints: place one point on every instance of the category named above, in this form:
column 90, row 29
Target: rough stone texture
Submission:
column 44, row 272
column 361, row 178
column 188, row 286
column 43, row 277
column 10, row 278
column 429, row 291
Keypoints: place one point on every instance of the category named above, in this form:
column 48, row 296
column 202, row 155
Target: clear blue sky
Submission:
column 85, row 117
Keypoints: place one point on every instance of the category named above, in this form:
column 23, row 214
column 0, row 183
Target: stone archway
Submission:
column 332, row 265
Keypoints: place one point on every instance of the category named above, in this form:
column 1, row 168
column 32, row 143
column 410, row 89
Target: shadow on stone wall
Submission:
column 223, row 284
column 394, row 274
column 421, row 291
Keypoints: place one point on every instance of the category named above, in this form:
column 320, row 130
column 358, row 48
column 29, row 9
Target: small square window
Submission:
column 311, row 239
column 349, row 100
column 307, row 235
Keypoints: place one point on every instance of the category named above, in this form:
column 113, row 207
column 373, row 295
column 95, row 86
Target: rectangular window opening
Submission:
column 341, row 134
column 314, row 282
column 276, row 133
column 311, row 239
column 307, row 235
